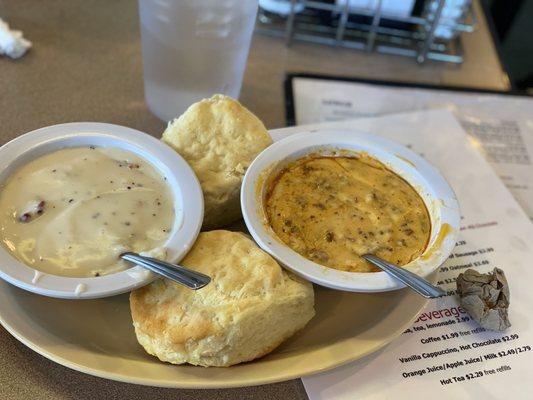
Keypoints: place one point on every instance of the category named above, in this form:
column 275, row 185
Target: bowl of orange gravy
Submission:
column 318, row 201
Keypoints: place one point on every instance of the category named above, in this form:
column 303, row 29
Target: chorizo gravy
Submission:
column 72, row 212
column 333, row 210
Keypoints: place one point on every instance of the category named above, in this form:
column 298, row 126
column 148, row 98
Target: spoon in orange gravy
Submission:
column 413, row 281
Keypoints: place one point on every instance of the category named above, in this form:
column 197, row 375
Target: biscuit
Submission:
column 250, row 307
column 219, row 138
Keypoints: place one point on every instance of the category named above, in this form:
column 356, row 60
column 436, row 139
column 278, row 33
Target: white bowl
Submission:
column 426, row 179
column 185, row 188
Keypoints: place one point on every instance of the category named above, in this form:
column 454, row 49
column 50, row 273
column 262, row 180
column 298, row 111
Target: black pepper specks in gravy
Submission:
column 332, row 210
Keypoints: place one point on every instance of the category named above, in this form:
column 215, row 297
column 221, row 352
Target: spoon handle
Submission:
column 415, row 282
column 184, row 276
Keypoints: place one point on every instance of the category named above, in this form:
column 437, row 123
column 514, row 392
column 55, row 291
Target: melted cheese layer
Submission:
column 333, row 210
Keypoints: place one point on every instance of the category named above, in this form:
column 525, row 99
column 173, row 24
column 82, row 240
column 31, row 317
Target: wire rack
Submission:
column 370, row 29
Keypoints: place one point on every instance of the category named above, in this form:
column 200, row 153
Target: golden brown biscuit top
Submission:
column 219, row 138
column 242, row 275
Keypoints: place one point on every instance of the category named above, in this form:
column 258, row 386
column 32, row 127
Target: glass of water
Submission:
column 193, row 49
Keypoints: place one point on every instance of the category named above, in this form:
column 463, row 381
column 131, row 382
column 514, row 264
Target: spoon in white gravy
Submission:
column 184, row 276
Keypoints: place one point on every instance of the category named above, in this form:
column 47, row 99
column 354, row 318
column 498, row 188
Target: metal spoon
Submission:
column 418, row 284
column 184, row 276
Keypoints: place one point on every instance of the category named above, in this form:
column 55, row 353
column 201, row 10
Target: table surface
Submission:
column 86, row 66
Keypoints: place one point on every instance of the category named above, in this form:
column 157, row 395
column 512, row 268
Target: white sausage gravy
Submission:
column 72, row 212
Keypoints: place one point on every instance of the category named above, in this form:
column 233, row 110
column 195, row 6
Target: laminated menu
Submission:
column 445, row 354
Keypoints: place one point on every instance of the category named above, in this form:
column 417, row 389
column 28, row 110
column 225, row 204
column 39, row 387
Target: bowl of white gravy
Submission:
column 75, row 196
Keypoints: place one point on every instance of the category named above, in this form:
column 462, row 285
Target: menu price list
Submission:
column 464, row 256
column 457, row 349
column 472, row 356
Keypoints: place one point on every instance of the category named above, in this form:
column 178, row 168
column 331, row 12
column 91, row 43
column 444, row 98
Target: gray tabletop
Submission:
column 86, row 66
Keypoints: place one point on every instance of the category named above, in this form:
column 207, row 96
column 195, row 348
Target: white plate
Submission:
column 97, row 337
column 437, row 194
column 185, row 188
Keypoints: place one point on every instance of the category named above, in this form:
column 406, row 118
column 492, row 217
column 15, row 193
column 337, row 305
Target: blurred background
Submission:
column 511, row 26
column 86, row 62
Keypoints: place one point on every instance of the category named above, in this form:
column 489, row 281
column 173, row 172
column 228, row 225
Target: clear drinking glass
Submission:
column 193, row 49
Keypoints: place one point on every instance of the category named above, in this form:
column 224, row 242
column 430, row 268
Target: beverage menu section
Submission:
column 449, row 345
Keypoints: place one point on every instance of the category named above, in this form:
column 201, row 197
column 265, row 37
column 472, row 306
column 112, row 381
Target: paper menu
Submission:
column 500, row 126
column 428, row 359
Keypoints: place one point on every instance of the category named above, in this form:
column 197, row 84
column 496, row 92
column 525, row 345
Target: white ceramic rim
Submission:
column 434, row 189
column 183, row 183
